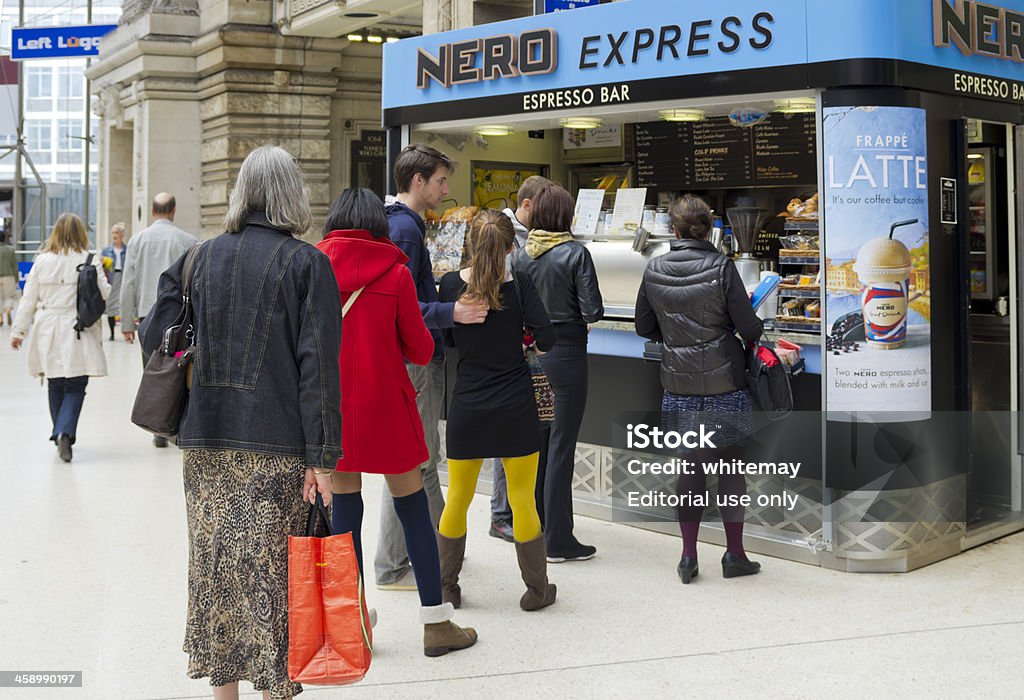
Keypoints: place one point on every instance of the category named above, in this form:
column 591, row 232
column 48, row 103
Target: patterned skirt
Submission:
column 241, row 508
column 728, row 414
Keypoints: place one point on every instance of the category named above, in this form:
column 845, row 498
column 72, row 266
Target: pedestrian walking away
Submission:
column 421, row 173
column 66, row 357
column 8, row 280
column 113, row 263
column 493, row 411
column 261, row 432
column 384, row 329
column 154, row 249
column 563, row 273
column 693, row 300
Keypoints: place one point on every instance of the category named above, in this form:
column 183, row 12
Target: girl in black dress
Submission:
column 492, row 411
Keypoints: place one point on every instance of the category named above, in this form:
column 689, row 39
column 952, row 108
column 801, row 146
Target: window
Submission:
column 38, row 140
column 70, row 144
column 70, row 88
column 39, row 83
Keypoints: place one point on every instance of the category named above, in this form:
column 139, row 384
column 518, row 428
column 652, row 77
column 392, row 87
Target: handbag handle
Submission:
column 319, row 509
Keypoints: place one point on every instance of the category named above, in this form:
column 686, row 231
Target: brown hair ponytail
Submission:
column 490, row 238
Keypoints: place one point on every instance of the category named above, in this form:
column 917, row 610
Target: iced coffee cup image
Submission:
column 883, row 266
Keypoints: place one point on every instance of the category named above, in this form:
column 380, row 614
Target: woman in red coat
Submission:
column 382, row 328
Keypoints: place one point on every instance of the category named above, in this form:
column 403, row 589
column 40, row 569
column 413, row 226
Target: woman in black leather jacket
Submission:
column 563, row 272
column 692, row 299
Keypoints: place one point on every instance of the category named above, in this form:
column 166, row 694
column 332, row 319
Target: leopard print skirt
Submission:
column 241, row 508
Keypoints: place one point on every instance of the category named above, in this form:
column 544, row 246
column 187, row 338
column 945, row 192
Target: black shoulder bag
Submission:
column 163, row 391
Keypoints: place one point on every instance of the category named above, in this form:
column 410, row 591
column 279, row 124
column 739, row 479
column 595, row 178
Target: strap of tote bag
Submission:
column 351, row 301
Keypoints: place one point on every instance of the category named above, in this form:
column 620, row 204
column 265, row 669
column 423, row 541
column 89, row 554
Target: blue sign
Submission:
column 553, row 55
column 23, row 270
column 560, row 5
column 58, row 42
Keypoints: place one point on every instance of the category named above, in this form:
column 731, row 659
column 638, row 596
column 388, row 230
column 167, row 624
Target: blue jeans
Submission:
column 66, row 397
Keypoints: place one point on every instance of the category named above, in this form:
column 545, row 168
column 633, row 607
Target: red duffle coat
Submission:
column 381, row 431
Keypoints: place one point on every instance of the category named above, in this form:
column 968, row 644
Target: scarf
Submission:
column 540, row 242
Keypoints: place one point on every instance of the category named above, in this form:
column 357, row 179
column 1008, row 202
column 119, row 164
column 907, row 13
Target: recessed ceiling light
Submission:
column 796, row 105
column 580, row 123
column 355, row 37
column 682, row 115
column 374, row 39
column 492, row 130
column 392, row 39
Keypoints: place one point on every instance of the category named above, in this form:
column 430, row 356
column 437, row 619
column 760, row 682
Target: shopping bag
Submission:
column 329, row 637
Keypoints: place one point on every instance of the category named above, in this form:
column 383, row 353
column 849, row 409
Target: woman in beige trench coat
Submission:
column 55, row 350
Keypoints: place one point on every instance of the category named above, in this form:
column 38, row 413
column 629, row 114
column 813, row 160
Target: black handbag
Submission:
column 768, row 382
column 163, row 391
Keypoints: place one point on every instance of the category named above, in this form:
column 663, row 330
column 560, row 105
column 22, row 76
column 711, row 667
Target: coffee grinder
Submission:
column 746, row 224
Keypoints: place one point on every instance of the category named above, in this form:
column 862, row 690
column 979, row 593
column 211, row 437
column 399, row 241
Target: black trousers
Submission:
column 566, row 367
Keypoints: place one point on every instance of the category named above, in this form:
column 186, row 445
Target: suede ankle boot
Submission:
column 451, row 551
column 440, row 634
column 533, row 565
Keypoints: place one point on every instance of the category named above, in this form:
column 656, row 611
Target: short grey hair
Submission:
column 270, row 182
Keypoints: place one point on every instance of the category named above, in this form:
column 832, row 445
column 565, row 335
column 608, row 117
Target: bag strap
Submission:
column 351, row 300
column 187, row 269
column 319, row 509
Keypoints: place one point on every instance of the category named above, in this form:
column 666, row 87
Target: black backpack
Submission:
column 89, row 302
column 768, row 382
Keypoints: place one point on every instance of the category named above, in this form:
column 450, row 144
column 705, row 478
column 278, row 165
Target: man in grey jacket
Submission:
column 152, row 251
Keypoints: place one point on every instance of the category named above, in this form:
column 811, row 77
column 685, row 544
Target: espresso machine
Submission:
column 746, row 224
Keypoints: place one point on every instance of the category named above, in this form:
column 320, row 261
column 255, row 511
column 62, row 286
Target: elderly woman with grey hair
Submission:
column 262, row 429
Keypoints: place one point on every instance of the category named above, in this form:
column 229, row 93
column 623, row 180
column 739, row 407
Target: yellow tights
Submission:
column 521, row 475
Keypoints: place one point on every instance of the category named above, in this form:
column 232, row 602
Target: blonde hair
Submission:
column 270, row 182
column 119, row 227
column 490, row 238
column 68, row 236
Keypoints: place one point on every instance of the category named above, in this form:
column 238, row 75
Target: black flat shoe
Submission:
column 733, row 566
column 581, row 552
column 687, row 569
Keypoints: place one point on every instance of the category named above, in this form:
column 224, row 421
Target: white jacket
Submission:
column 50, row 298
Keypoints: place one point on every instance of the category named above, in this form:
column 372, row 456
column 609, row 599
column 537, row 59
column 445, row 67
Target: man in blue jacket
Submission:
column 421, row 173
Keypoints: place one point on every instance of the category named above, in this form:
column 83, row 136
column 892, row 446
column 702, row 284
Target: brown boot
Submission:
column 533, row 564
column 451, row 552
column 440, row 634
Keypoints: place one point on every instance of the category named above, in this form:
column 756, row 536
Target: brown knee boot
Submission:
column 533, row 564
column 451, row 552
column 440, row 634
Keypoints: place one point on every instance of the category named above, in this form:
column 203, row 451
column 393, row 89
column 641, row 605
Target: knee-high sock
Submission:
column 521, row 475
column 347, row 516
column 414, row 513
column 462, row 476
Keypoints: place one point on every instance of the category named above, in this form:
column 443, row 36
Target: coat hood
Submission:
column 358, row 258
column 541, row 241
column 399, row 209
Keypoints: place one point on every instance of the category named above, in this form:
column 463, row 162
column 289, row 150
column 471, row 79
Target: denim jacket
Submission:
column 268, row 332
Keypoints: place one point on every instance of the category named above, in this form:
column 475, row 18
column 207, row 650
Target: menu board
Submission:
column 721, row 155
column 663, row 159
column 784, row 150
column 714, row 154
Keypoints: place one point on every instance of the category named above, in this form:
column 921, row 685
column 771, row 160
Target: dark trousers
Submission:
column 67, row 394
column 566, row 367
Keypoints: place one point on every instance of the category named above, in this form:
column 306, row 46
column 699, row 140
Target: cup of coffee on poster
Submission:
column 875, row 250
column 884, row 266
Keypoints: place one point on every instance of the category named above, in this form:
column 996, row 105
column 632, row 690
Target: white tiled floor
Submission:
column 92, row 579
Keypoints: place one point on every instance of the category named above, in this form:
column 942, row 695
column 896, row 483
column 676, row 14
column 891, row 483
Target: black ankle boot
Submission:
column 734, row 565
column 687, row 569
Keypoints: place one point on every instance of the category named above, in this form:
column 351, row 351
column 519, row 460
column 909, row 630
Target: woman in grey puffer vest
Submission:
column 693, row 300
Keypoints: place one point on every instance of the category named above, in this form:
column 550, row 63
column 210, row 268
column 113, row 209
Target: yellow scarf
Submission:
column 541, row 241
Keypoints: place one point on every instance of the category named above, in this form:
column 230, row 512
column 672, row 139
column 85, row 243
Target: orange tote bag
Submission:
column 329, row 636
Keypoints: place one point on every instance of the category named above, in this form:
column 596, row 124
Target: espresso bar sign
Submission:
column 979, row 28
